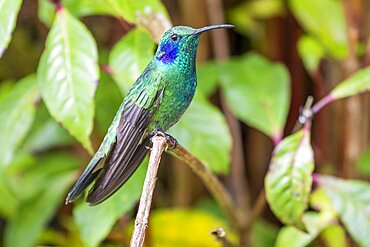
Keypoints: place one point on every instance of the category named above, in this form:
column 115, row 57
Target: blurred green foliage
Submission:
column 48, row 118
column 259, row 85
column 133, row 52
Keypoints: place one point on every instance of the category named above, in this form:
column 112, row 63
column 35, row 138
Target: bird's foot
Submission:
column 171, row 141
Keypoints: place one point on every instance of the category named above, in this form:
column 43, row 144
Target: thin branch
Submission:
column 141, row 222
column 256, row 211
column 211, row 182
column 321, row 103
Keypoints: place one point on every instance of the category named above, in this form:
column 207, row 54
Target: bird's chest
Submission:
column 176, row 99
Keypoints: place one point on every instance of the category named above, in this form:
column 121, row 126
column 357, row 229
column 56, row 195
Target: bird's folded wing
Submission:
column 119, row 166
column 115, row 161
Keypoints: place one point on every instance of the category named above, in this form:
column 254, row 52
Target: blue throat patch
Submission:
column 168, row 52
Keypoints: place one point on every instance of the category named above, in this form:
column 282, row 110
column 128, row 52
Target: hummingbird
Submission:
column 153, row 104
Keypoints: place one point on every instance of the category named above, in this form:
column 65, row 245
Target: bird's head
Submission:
column 181, row 42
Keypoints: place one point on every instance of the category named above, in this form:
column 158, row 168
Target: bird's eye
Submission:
column 174, row 38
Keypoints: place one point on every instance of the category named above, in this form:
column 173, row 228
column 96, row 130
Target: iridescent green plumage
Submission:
column 155, row 102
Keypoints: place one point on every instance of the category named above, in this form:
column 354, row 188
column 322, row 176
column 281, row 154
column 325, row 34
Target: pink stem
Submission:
column 321, row 103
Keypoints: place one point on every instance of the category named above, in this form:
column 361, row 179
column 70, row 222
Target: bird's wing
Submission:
column 123, row 148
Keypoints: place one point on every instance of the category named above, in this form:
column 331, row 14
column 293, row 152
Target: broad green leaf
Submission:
column 258, row 92
column 185, row 227
column 320, row 201
column 81, row 8
column 325, row 20
column 8, row 200
column 351, row 200
column 334, row 236
column 46, row 11
column 363, row 164
column 68, row 73
column 288, row 181
column 17, row 110
column 208, row 77
column 249, row 16
column 52, row 176
column 131, row 10
column 204, row 132
column 129, row 57
column 263, row 234
column 149, row 13
column 5, row 87
column 8, row 16
column 357, row 83
column 127, row 9
column 314, row 222
column 21, row 162
column 45, row 133
column 311, row 52
column 94, row 223
column 293, row 237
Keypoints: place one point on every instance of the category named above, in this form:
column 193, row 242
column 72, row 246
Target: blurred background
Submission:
column 253, row 81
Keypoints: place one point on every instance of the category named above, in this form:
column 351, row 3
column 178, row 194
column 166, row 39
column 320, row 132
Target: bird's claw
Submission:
column 171, row 141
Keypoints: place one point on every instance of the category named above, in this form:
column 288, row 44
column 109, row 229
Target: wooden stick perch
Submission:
column 141, row 222
column 214, row 186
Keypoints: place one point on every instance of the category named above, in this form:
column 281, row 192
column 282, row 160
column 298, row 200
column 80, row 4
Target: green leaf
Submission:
column 96, row 222
column 314, row 222
column 288, row 181
column 131, row 10
column 52, row 176
column 127, row 9
column 334, row 236
column 293, row 237
column 310, row 51
column 263, row 234
column 249, row 17
column 8, row 15
column 17, row 110
column 357, row 83
column 351, row 200
column 185, row 228
column 208, row 76
column 257, row 92
column 45, row 133
column 46, row 11
column 325, row 20
column 149, row 13
column 81, row 8
column 129, row 57
column 363, row 163
column 204, row 132
column 6, row 87
column 8, row 200
column 68, row 73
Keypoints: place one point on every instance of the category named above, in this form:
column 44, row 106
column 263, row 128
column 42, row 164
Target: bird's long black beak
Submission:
column 207, row 28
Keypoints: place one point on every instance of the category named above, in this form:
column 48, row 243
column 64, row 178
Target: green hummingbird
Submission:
column 154, row 103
